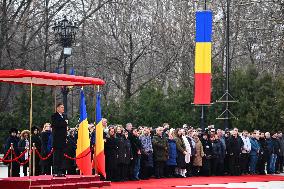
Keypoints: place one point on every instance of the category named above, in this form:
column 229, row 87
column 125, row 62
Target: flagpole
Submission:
column 95, row 123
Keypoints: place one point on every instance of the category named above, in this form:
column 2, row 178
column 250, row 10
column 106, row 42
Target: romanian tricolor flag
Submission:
column 83, row 154
column 100, row 155
column 202, row 93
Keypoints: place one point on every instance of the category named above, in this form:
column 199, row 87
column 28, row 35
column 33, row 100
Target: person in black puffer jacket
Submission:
column 206, row 160
column 235, row 144
column 216, row 153
column 111, row 153
column 35, row 132
column 121, row 151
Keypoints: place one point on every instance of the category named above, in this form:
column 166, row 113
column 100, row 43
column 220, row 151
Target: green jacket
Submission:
column 160, row 148
column 180, row 144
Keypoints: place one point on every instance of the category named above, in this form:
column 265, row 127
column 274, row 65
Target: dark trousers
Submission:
column 15, row 169
column 234, row 164
column 25, row 169
column 125, row 172
column 206, row 167
column 131, row 169
column 227, row 164
column 37, row 166
column 261, row 165
column 196, row 170
column 122, row 170
column 189, row 169
column 71, row 170
column 244, row 161
column 279, row 164
column 45, row 169
column 159, row 169
column 58, row 158
column 170, row 170
column 220, row 167
column 214, row 164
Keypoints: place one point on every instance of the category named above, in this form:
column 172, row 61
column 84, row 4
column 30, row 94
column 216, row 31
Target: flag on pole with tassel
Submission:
column 83, row 155
column 99, row 146
column 202, row 78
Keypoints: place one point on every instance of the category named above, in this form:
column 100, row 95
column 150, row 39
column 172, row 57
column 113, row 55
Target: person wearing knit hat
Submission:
column 13, row 130
column 13, row 139
column 34, row 128
column 37, row 141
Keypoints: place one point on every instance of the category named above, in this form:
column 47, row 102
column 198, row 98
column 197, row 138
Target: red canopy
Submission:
column 20, row 76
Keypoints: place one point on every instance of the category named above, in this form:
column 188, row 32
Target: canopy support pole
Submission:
column 54, row 90
column 31, row 122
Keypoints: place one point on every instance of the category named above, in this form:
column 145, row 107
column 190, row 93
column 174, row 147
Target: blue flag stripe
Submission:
column 203, row 26
column 83, row 109
column 98, row 108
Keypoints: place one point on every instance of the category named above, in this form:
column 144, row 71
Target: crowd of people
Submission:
column 42, row 140
column 144, row 152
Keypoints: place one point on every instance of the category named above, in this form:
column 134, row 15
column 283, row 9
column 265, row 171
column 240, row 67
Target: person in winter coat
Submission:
column 111, row 151
column 71, row 151
column 128, row 157
column 146, row 154
column 221, row 161
column 275, row 150
column 188, row 147
column 281, row 154
column 59, row 134
column 136, row 151
column 245, row 155
column 121, row 152
column 45, row 140
column 216, row 153
column 227, row 136
column 254, row 153
column 197, row 161
column 13, row 139
column 235, row 145
column 181, row 152
column 35, row 132
column 263, row 154
column 172, row 161
column 23, row 145
column 160, row 149
column 207, row 149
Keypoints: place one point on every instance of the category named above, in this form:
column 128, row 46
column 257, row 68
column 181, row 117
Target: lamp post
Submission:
column 227, row 97
column 65, row 32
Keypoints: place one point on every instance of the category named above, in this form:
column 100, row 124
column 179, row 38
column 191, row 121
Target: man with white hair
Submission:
column 160, row 149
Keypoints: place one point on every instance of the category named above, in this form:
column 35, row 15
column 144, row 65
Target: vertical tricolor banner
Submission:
column 99, row 155
column 83, row 154
column 202, row 92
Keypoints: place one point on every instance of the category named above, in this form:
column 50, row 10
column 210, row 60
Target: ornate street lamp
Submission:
column 65, row 33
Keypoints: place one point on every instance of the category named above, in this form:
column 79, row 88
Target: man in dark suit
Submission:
column 59, row 133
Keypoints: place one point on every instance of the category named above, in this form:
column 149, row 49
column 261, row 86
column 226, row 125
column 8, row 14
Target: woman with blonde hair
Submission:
column 46, row 145
column 24, row 144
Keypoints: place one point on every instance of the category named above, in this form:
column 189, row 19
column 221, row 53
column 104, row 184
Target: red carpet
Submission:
column 49, row 182
column 172, row 182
